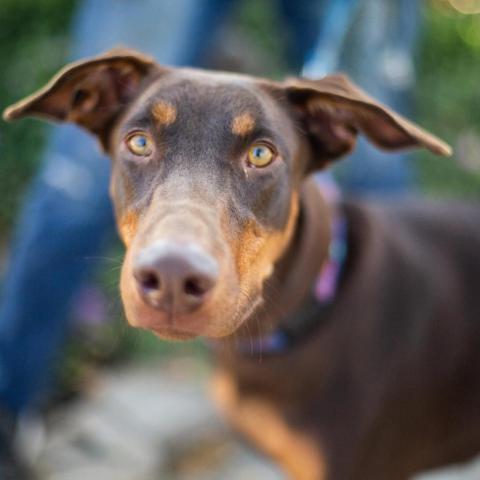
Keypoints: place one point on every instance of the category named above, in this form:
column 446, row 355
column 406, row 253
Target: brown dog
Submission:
column 225, row 239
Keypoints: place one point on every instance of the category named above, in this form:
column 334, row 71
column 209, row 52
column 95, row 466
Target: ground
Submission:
column 146, row 422
column 152, row 421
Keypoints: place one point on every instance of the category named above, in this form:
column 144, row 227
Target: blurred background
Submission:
column 103, row 352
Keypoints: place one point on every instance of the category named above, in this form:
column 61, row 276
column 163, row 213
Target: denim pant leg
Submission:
column 318, row 30
column 65, row 222
column 302, row 21
column 373, row 41
column 175, row 32
column 378, row 55
column 67, row 215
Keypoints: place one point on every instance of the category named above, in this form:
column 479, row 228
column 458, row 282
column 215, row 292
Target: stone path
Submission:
column 147, row 422
column 156, row 422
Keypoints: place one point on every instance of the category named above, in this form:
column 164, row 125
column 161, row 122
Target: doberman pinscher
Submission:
column 227, row 239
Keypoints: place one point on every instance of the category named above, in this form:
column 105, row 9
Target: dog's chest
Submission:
column 265, row 425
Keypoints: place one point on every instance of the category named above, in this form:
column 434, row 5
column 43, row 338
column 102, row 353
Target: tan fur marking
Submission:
column 128, row 227
column 164, row 113
column 243, row 124
column 257, row 250
column 264, row 426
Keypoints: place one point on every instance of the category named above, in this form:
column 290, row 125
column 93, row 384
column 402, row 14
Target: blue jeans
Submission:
column 67, row 219
column 375, row 46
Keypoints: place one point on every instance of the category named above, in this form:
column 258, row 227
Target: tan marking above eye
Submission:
column 164, row 113
column 128, row 226
column 243, row 124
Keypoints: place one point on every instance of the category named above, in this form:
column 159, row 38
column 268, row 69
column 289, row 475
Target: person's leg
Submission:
column 302, row 21
column 63, row 226
column 317, row 30
column 373, row 42
column 382, row 62
column 175, row 32
column 379, row 56
column 336, row 19
column 67, row 216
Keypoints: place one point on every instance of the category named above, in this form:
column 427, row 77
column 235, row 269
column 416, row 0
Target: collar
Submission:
column 299, row 324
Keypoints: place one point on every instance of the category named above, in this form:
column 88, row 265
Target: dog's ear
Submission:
column 333, row 111
column 91, row 92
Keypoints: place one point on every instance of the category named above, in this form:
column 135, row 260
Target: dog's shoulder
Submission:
column 448, row 221
column 432, row 242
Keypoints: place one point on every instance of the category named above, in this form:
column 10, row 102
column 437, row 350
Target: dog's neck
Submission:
column 297, row 269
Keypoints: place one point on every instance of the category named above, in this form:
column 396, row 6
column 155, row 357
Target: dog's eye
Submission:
column 260, row 155
column 139, row 144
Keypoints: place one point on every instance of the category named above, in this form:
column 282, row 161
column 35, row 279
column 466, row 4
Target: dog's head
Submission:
column 206, row 171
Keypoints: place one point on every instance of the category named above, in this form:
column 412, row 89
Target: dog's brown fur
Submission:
column 388, row 385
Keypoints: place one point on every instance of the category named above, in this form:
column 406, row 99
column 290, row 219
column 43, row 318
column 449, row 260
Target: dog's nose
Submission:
column 175, row 277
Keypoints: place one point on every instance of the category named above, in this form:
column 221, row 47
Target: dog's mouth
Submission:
column 214, row 322
column 185, row 329
column 171, row 333
column 185, row 312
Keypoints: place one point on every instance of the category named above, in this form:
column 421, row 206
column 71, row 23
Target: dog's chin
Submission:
column 225, row 321
column 168, row 327
column 173, row 334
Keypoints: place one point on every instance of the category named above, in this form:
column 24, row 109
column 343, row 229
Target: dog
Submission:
column 347, row 336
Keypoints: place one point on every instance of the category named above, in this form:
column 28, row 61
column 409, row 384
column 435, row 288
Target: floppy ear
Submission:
column 91, row 92
column 334, row 111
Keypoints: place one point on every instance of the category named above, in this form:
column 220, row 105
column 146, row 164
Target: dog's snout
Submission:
column 175, row 277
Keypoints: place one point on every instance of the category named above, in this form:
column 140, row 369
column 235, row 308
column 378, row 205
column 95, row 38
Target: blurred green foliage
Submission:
column 448, row 99
column 33, row 45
